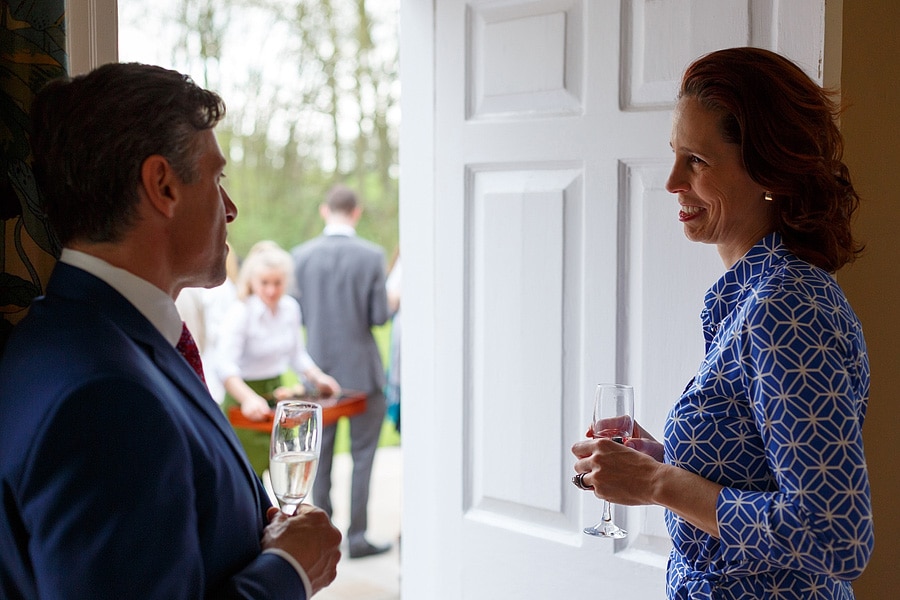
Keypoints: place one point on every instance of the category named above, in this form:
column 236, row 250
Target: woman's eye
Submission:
column 696, row 160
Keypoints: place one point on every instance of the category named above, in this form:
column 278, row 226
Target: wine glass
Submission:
column 613, row 418
column 294, row 451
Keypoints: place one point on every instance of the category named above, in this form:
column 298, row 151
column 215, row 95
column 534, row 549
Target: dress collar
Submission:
column 731, row 288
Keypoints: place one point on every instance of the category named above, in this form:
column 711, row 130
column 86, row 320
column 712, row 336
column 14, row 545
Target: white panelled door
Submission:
column 542, row 256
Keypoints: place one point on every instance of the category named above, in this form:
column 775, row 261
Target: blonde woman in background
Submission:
column 261, row 339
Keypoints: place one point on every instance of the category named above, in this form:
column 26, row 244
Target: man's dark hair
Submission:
column 92, row 133
column 341, row 199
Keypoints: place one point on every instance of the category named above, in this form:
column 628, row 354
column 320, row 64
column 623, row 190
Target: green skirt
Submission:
column 255, row 443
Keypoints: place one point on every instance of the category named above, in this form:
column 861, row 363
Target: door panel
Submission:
column 516, row 290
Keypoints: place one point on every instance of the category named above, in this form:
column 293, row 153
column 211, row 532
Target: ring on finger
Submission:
column 578, row 480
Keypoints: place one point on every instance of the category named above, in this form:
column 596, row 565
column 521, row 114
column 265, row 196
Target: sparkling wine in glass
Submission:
column 613, row 418
column 294, row 451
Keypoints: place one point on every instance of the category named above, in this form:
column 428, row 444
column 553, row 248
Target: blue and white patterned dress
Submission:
column 775, row 414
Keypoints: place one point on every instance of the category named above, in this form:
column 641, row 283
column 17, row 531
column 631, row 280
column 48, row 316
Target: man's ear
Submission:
column 159, row 181
column 324, row 212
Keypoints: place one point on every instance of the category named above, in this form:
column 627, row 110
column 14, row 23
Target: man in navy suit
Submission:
column 340, row 287
column 120, row 476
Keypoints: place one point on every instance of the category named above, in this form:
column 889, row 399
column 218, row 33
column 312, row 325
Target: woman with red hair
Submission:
column 762, row 468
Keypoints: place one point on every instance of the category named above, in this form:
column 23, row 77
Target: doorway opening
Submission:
column 313, row 97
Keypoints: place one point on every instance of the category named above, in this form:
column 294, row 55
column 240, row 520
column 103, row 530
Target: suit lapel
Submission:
column 79, row 286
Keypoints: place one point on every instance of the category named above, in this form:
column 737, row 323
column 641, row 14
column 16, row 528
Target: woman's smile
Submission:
column 689, row 212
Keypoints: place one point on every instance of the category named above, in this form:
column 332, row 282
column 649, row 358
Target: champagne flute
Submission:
column 613, row 418
column 294, row 451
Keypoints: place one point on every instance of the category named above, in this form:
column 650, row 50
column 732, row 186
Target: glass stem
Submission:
column 607, row 517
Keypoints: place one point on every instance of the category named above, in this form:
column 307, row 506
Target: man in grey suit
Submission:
column 340, row 286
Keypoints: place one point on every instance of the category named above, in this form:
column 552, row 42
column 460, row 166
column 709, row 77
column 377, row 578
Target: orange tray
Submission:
column 350, row 403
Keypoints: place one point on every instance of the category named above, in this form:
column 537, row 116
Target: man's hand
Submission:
column 310, row 538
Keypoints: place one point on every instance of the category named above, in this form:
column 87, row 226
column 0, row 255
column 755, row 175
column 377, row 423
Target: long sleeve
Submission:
column 774, row 414
column 802, row 366
column 378, row 303
column 129, row 446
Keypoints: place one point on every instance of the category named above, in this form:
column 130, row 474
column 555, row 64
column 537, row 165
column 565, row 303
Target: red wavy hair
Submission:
column 786, row 126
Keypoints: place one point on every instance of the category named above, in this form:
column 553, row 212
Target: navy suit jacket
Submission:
column 121, row 477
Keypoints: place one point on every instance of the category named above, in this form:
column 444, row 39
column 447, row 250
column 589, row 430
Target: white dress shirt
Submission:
column 152, row 302
column 339, row 229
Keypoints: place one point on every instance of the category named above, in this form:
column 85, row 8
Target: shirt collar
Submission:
column 257, row 308
column 724, row 295
column 157, row 306
column 339, row 229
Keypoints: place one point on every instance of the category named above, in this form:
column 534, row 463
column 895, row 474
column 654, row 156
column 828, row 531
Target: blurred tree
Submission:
column 312, row 91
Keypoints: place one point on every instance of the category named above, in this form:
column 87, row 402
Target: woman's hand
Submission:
column 634, row 474
column 326, row 384
column 616, row 472
column 645, row 443
column 255, row 408
column 288, row 392
column 641, row 441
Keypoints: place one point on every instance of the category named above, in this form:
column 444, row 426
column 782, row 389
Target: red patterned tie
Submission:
column 188, row 349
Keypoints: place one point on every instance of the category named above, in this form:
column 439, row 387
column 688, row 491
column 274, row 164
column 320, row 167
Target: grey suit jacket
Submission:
column 340, row 287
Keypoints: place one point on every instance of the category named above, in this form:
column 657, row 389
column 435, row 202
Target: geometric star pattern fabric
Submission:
column 775, row 414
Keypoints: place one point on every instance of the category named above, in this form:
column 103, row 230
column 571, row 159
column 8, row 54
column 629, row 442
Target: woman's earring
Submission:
column 768, row 197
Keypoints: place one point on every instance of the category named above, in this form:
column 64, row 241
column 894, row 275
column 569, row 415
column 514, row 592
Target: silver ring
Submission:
column 578, row 480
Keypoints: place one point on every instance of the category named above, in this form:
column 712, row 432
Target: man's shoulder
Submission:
column 59, row 328
column 62, row 339
column 337, row 243
column 350, row 243
column 306, row 246
column 370, row 246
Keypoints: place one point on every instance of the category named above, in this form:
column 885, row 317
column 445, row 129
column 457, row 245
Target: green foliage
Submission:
column 315, row 103
column 271, row 205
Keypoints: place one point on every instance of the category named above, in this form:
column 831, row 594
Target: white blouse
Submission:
column 257, row 343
